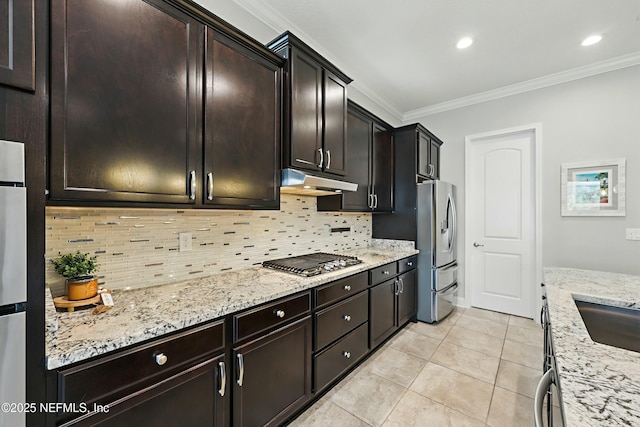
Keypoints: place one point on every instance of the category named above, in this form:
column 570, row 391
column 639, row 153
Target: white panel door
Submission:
column 501, row 221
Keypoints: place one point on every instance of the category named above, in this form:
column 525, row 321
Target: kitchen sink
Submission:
column 611, row 325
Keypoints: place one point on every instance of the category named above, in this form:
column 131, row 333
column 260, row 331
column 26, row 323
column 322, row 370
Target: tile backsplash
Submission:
column 140, row 247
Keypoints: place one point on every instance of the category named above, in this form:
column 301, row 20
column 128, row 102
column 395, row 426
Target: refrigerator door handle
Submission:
column 454, row 224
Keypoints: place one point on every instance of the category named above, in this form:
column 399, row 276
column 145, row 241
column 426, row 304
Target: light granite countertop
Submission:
column 146, row 313
column 600, row 384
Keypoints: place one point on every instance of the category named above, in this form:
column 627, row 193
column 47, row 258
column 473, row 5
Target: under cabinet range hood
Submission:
column 298, row 182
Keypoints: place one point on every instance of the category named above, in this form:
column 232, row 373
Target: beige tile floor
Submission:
column 475, row 368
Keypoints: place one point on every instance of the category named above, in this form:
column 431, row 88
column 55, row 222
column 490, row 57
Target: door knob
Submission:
column 475, row 245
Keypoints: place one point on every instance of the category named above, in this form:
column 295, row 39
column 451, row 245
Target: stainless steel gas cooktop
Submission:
column 312, row 264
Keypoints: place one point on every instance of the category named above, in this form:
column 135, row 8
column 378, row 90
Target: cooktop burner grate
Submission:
column 312, row 264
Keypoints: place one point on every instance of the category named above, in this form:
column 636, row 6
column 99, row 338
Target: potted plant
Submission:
column 78, row 271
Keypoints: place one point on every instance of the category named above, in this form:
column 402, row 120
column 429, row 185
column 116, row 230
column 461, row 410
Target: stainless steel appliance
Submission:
column 13, row 282
column 312, row 264
column 436, row 240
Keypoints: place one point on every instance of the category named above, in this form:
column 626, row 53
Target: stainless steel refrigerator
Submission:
column 13, row 283
column 436, row 240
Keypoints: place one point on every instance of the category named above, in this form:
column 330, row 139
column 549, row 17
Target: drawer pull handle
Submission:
column 161, row 358
column 347, row 287
column 347, row 354
column 347, row 318
column 223, row 379
column 410, row 264
column 386, row 272
column 280, row 313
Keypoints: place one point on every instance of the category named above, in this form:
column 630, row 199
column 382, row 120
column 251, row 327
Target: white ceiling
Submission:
column 402, row 54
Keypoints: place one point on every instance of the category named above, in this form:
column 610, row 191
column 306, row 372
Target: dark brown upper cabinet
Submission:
column 315, row 109
column 416, row 145
column 428, row 162
column 17, row 44
column 369, row 164
column 157, row 104
column 242, row 125
column 126, row 85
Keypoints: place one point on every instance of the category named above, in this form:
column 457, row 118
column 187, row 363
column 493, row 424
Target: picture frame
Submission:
column 595, row 188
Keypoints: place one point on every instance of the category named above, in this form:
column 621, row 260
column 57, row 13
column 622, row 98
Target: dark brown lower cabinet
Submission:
column 382, row 311
column 407, row 297
column 272, row 376
column 339, row 357
column 191, row 398
column 391, row 305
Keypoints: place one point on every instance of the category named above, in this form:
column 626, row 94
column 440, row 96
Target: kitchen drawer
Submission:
column 407, row 264
column 268, row 316
column 340, row 318
column 382, row 273
column 110, row 377
column 341, row 356
column 335, row 291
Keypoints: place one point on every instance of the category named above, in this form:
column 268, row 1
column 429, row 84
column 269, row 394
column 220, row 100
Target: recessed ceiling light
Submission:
column 464, row 43
column 591, row 40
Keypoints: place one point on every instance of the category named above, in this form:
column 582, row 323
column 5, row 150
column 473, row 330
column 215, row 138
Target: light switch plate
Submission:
column 633, row 233
column 185, row 242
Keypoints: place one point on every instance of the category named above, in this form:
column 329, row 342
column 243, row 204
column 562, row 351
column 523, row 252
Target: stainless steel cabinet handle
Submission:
column 375, row 203
column 401, row 286
column 476, row 245
column 541, row 391
column 279, row 313
column 210, row 186
column 396, row 287
column 386, row 272
column 321, row 158
column 161, row 358
column 371, row 201
column 328, row 159
column 347, row 318
column 192, row 185
column 409, row 264
column 223, row 378
column 241, row 369
column 346, row 354
column 347, row 287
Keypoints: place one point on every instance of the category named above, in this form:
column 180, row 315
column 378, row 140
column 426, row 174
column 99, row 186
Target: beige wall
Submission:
column 139, row 247
column 594, row 118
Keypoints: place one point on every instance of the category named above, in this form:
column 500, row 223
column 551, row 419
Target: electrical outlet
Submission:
column 185, row 242
column 633, row 233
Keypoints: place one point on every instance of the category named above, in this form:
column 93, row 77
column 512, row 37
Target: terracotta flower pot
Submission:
column 79, row 289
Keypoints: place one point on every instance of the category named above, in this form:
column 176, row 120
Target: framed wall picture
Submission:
column 593, row 188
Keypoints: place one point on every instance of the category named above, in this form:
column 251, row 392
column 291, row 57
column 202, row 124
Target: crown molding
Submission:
column 265, row 13
column 527, row 86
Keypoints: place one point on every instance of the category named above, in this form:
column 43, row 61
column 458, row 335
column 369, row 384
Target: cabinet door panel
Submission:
column 276, row 376
column 17, row 44
column 424, row 151
column 124, row 100
column 242, row 133
column 382, row 181
column 434, row 157
column 187, row 399
column 407, row 298
column 382, row 315
column 358, row 137
column 306, row 111
column 335, row 124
